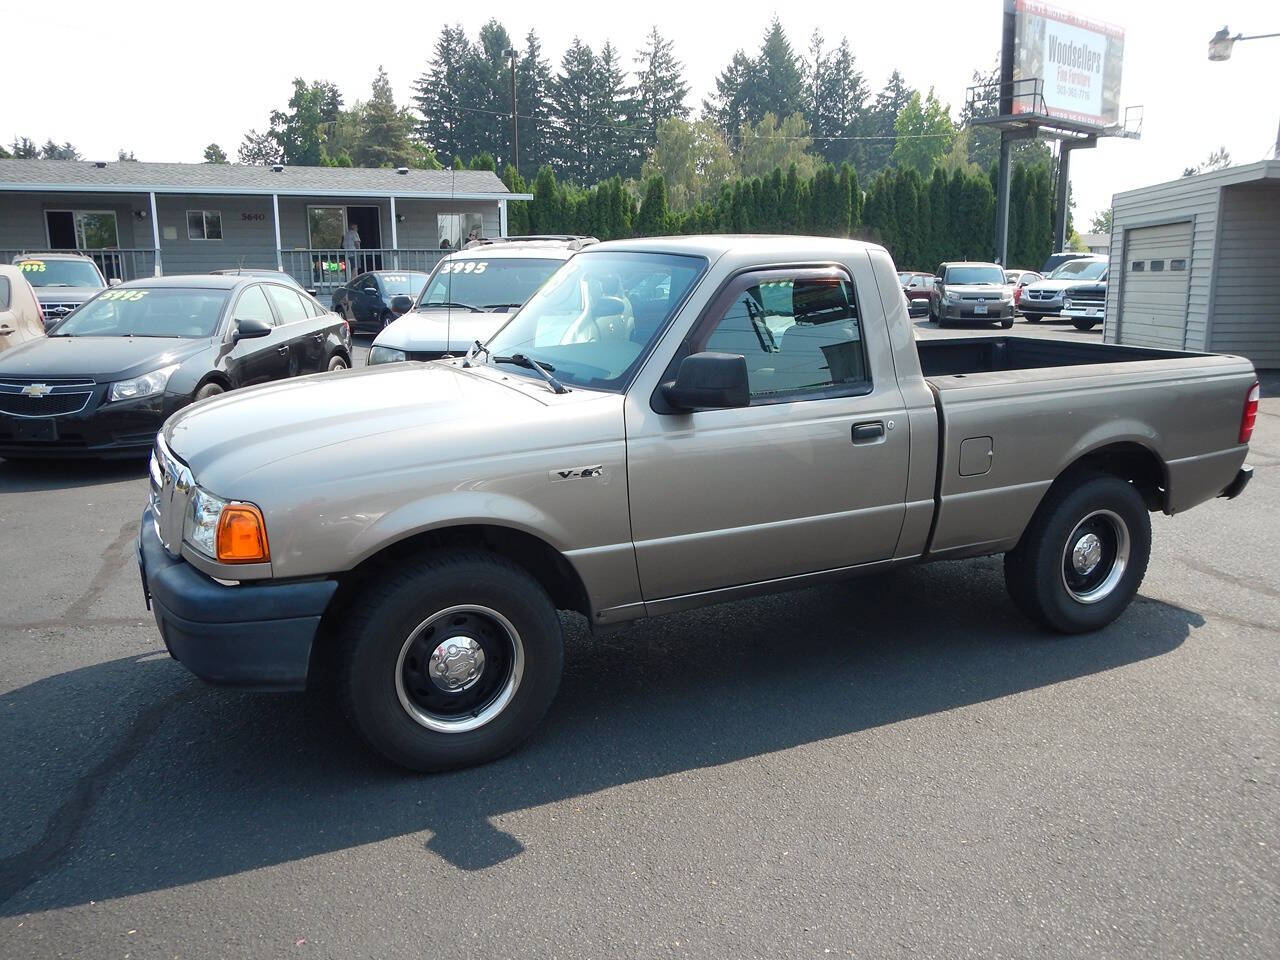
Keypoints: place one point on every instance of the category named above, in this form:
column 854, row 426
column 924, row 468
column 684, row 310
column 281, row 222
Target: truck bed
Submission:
column 959, row 357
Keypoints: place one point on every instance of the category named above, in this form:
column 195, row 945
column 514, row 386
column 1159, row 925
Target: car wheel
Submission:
column 1083, row 324
column 388, row 318
column 337, row 362
column 1084, row 554
column 450, row 662
column 1007, row 324
column 1031, row 318
column 207, row 391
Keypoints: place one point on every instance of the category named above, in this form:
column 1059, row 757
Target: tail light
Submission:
column 1250, row 415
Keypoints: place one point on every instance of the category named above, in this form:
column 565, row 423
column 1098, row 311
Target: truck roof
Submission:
column 715, row 245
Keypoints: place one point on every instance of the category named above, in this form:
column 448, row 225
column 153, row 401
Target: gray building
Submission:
column 1195, row 264
column 139, row 219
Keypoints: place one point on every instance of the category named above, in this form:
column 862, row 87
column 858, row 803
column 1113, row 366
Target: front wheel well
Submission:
column 217, row 377
column 1129, row 461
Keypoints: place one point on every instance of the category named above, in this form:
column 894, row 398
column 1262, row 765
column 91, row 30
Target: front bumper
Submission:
column 966, row 311
column 1094, row 312
column 126, row 428
column 256, row 635
column 1236, row 486
column 1039, row 308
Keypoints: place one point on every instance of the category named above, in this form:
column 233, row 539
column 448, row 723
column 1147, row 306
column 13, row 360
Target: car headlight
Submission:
column 225, row 530
column 952, row 298
column 385, row 355
column 1066, row 303
column 143, row 386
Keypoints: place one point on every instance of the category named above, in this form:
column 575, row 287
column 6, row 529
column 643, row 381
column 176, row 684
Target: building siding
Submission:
column 22, row 222
column 1246, row 298
column 246, row 241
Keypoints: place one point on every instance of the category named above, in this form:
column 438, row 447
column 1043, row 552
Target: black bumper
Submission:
column 123, row 429
column 1236, row 486
column 251, row 635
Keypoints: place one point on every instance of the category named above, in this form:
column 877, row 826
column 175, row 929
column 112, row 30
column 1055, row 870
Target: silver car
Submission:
column 470, row 295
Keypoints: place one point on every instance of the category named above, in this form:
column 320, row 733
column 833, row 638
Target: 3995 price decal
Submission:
column 123, row 295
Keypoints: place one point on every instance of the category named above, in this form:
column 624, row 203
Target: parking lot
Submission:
column 899, row 766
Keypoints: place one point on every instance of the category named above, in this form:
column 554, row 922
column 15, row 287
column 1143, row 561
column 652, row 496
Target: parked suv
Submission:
column 470, row 295
column 1044, row 297
column 971, row 291
column 62, row 281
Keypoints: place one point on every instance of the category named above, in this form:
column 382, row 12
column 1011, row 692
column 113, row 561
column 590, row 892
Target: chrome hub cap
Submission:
column 456, row 664
column 1095, row 556
column 459, row 668
column 1086, row 554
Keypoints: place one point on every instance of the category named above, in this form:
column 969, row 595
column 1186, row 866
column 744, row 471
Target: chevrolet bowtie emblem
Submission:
column 37, row 390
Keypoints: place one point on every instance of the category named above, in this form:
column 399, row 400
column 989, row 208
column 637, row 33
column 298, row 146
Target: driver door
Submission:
column 811, row 476
column 263, row 359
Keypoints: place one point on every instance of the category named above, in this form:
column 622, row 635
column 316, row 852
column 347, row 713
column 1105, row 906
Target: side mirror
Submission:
column 370, row 288
column 114, row 282
column 312, row 291
column 400, row 305
column 709, row 380
column 251, row 328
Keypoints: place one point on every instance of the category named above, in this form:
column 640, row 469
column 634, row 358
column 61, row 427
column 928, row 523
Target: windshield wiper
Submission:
column 451, row 303
column 544, row 370
column 495, row 306
column 474, row 350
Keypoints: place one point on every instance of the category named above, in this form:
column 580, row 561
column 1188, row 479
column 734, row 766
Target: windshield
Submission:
column 486, row 284
column 596, row 318
column 1081, row 270
column 134, row 312
column 977, row 275
column 60, row 273
column 403, row 284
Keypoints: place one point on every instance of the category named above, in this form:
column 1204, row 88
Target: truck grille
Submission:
column 44, row 398
column 56, row 311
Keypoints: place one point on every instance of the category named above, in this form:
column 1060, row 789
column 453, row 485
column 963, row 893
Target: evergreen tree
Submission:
column 618, row 148
column 574, row 100
column 486, row 89
column 517, row 210
column 533, row 86
column 439, row 94
column 384, row 139
column 734, row 103
column 482, row 161
column 838, row 96
column 660, row 89
column 850, row 189
column 874, row 154
column 545, row 208
column 652, row 220
column 779, row 79
column 214, row 154
column 939, row 210
column 24, row 148
column 258, row 149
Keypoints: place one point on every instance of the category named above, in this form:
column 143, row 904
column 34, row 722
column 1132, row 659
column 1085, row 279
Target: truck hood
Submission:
column 440, row 330
column 98, row 358
column 66, row 294
column 1055, row 286
column 385, row 418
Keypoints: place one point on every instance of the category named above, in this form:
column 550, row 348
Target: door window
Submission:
column 4, row 293
column 325, row 227
column 252, row 305
column 800, row 337
column 288, row 304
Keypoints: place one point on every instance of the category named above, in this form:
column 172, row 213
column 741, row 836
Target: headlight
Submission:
column 143, row 386
column 225, row 530
column 385, row 355
column 200, row 529
column 952, row 298
column 1066, row 303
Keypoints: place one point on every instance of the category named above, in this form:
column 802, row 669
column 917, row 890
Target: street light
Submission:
column 1220, row 46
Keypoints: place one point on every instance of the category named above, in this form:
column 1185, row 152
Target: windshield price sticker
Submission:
column 396, row 278
column 124, row 294
column 32, row 266
column 465, row 266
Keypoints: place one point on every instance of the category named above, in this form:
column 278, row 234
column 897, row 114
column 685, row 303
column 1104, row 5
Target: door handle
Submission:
column 318, row 337
column 283, row 351
column 867, row 432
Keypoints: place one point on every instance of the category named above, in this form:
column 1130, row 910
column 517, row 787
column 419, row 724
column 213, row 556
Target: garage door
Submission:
column 1153, row 307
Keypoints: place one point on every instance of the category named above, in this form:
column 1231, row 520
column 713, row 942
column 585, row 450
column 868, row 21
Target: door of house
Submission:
column 367, row 223
column 62, row 229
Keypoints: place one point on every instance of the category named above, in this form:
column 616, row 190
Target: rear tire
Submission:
column 337, row 362
column 207, row 391
column 1084, row 554
column 1031, row 318
column 398, row 663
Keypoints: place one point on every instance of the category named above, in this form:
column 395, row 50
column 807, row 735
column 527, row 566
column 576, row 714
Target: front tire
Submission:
column 1006, row 324
column 207, row 391
column 1084, row 554
column 337, row 362
column 1082, row 324
column 387, row 319
column 450, row 662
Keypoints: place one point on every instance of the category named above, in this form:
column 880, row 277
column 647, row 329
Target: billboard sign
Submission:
column 1078, row 60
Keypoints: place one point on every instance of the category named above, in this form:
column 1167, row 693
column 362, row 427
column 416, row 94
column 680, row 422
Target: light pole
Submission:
column 1220, row 46
column 515, row 128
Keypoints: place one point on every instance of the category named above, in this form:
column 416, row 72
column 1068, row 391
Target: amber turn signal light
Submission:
column 242, row 535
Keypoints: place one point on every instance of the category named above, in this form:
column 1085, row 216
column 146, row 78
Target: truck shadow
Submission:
column 205, row 783
column 28, row 476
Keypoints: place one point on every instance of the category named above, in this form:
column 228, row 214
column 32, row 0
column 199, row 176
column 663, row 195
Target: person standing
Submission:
column 351, row 243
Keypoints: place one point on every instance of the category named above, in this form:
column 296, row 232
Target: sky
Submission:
column 165, row 79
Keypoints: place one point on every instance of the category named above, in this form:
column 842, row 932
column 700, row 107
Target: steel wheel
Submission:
column 1095, row 556
column 459, row 668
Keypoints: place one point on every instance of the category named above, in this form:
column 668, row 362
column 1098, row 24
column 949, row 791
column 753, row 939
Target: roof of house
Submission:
column 129, row 176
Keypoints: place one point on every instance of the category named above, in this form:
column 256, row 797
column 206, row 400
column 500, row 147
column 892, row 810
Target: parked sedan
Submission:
column 366, row 300
column 916, row 286
column 106, row 377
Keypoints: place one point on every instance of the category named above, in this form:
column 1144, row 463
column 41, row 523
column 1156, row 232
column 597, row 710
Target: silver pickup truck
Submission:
column 667, row 423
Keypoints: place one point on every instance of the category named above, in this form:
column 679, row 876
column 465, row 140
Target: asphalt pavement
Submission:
column 899, row 766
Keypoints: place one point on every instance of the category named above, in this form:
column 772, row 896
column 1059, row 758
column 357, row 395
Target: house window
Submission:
column 1157, row 265
column 457, row 228
column 204, row 225
column 1177, row 265
column 325, row 227
column 81, row 229
column 1138, row 266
